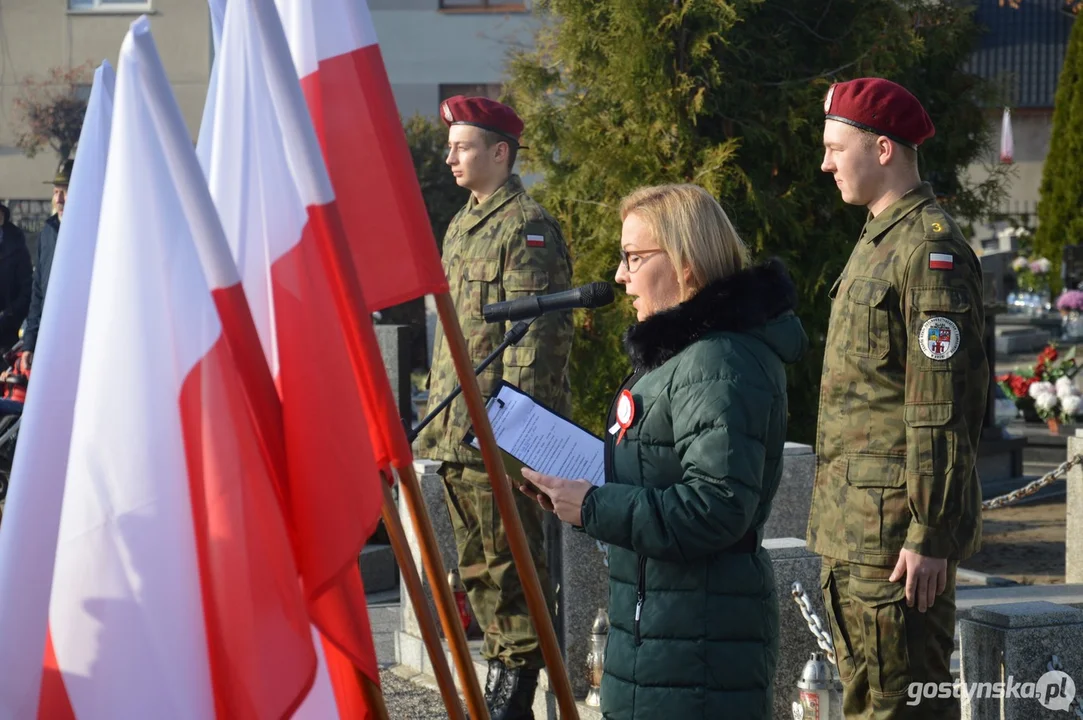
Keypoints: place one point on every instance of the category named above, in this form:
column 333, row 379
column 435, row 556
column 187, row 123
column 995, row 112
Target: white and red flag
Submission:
column 345, row 84
column 268, row 179
column 175, row 592
column 32, row 514
column 1007, row 140
column 342, row 72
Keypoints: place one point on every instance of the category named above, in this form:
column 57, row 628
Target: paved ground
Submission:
column 409, row 701
column 405, row 700
column 1024, row 543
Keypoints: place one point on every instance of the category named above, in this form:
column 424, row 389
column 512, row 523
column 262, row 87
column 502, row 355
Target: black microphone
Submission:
column 588, row 296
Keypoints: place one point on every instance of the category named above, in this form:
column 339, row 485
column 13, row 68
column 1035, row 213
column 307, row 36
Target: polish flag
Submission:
column 28, row 538
column 334, row 49
column 1007, row 141
column 267, row 177
column 174, row 594
column 387, row 230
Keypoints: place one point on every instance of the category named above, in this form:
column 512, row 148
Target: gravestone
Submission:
column 790, row 508
column 1073, row 520
column 1013, row 644
column 394, row 341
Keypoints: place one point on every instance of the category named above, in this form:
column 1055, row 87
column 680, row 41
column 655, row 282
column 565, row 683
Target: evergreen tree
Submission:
column 729, row 94
column 1060, row 209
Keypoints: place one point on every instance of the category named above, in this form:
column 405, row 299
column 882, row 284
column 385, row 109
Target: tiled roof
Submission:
column 1023, row 49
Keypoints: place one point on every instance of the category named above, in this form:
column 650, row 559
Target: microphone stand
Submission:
column 512, row 337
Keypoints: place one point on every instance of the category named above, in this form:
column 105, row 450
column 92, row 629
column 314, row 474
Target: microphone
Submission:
column 595, row 295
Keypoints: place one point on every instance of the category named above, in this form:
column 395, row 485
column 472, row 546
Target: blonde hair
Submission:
column 693, row 230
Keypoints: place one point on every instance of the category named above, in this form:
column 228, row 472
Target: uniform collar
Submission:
column 476, row 212
column 875, row 227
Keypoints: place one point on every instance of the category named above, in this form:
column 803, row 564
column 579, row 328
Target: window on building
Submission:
column 110, row 5
column 492, row 5
column 489, row 90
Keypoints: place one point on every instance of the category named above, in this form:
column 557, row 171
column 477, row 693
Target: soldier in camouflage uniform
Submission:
column 501, row 246
column 896, row 503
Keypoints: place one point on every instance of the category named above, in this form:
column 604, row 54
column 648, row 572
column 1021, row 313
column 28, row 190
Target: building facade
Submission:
column 37, row 35
column 1021, row 52
column 434, row 49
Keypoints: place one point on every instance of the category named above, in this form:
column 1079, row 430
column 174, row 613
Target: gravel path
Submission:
column 406, row 700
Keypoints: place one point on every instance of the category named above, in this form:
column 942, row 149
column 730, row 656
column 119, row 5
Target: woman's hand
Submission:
column 557, row 495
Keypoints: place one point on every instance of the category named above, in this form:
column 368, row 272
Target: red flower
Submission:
column 1020, row 386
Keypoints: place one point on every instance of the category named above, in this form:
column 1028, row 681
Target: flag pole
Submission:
column 429, row 633
column 502, row 493
column 374, row 697
column 437, row 574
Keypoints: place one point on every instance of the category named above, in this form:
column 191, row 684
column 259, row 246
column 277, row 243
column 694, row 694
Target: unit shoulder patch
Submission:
column 939, row 338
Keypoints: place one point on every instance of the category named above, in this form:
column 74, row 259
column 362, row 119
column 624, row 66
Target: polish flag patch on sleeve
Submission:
column 941, row 261
column 537, row 241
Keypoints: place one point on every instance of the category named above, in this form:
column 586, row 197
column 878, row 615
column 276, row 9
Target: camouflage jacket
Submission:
column 504, row 248
column 903, row 393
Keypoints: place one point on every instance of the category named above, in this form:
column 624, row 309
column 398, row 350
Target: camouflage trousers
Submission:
column 488, row 569
column 883, row 646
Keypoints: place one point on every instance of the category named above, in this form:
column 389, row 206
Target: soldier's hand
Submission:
column 563, row 497
column 926, row 577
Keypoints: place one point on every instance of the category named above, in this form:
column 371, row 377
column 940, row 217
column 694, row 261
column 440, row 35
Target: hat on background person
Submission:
column 483, row 113
column 882, row 107
column 63, row 173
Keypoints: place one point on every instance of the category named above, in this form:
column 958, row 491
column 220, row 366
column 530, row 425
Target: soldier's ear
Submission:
column 886, row 151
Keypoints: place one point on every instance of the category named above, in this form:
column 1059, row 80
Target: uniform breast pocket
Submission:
column 480, row 277
column 939, row 317
column 867, row 317
column 520, row 283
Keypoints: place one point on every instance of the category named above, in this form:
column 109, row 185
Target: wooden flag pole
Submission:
column 502, row 493
column 445, row 601
column 374, row 697
column 429, row 634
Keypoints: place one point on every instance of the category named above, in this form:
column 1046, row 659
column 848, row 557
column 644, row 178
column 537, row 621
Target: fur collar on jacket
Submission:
column 738, row 303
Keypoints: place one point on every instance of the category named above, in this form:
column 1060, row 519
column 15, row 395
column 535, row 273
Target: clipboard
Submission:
column 531, row 434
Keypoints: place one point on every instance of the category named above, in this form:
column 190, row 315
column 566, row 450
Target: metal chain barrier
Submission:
column 815, row 625
column 1030, row 488
column 1077, row 704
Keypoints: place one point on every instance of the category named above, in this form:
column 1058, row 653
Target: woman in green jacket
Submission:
column 693, row 458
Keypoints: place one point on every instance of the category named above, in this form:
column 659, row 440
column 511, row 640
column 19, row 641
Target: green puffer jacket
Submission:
column 692, row 601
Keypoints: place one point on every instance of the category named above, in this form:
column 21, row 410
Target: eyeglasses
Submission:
column 635, row 259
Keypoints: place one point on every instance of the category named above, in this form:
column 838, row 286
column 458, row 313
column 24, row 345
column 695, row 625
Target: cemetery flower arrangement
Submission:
column 1048, row 386
column 1032, row 273
column 1070, row 301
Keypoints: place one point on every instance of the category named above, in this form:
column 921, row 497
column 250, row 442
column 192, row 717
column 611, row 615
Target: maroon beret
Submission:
column 483, row 113
column 882, row 107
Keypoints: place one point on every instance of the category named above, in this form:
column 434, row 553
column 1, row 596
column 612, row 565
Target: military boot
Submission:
column 493, row 680
column 515, row 698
